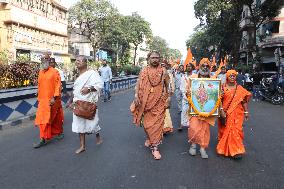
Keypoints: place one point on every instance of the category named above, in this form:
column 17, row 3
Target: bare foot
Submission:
column 81, row 149
column 99, row 141
column 147, row 143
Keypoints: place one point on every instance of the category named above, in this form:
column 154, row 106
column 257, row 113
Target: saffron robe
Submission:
column 231, row 135
column 49, row 118
column 153, row 95
column 199, row 130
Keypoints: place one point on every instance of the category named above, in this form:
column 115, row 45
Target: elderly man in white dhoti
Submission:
column 87, row 87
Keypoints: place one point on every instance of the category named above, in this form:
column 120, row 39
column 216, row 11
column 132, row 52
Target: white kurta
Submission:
column 90, row 78
column 184, row 104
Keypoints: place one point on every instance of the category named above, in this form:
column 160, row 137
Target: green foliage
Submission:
column 138, row 30
column 130, row 69
column 18, row 74
column 94, row 64
column 94, row 20
column 174, row 53
column 4, row 56
column 159, row 44
column 219, row 30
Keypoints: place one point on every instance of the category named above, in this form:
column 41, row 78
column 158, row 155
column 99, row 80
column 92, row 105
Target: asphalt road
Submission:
column 123, row 162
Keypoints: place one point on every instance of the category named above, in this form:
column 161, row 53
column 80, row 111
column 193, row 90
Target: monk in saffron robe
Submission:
column 235, row 104
column 49, row 115
column 168, row 126
column 151, row 101
column 199, row 127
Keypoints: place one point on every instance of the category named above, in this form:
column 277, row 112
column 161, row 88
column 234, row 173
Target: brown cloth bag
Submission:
column 85, row 109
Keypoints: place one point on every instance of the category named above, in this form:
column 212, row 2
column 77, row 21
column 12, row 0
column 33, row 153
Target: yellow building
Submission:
column 30, row 27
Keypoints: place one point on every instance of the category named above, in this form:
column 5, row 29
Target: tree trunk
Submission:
column 94, row 50
column 135, row 50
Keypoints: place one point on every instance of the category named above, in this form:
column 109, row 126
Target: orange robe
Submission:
column 199, row 127
column 49, row 118
column 153, row 103
column 231, row 135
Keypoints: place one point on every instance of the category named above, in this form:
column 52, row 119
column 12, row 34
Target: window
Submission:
column 272, row 27
column 77, row 52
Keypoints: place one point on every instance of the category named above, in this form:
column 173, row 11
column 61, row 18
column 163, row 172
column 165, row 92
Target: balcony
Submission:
column 16, row 15
column 246, row 23
column 276, row 40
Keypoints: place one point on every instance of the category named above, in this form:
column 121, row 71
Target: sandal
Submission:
column 147, row 143
column 156, row 154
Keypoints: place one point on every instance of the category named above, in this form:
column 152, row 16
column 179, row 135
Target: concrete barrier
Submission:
column 19, row 104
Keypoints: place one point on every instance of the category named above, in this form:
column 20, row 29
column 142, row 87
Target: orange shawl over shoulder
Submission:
column 153, row 95
column 231, row 135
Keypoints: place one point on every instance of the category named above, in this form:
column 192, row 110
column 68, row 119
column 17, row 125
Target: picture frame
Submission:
column 204, row 97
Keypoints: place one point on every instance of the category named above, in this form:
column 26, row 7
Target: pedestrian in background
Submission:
column 184, row 105
column 87, row 87
column 168, row 126
column 241, row 78
column 106, row 75
column 256, row 80
column 177, row 78
column 222, row 75
column 49, row 115
column 61, row 73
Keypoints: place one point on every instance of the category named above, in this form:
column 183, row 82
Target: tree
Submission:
column 174, row 54
column 159, row 44
column 93, row 19
column 219, row 26
column 138, row 30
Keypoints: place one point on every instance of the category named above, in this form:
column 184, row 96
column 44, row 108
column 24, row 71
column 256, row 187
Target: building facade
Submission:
column 269, row 36
column 28, row 28
column 79, row 45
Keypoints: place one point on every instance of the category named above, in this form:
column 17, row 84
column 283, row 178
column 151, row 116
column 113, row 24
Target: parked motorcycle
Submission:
column 271, row 92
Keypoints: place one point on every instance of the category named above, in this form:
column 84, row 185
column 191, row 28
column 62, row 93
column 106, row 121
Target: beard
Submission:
column 205, row 73
column 45, row 65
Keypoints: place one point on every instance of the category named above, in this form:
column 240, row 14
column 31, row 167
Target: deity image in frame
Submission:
column 205, row 93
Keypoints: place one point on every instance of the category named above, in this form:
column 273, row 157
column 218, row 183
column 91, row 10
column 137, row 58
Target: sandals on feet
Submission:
column 156, row 154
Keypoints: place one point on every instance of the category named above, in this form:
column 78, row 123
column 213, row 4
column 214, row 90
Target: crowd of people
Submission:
column 86, row 90
column 150, row 108
column 156, row 85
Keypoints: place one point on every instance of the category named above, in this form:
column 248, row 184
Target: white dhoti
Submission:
column 88, row 79
column 81, row 125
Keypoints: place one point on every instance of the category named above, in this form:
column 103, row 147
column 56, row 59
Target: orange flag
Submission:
column 225, row 60
column 213, row 61
column 188, row 57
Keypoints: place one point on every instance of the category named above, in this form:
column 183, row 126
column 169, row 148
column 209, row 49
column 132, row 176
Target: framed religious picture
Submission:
column 205, row 97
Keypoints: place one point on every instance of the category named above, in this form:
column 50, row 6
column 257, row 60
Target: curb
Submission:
column 18, row 122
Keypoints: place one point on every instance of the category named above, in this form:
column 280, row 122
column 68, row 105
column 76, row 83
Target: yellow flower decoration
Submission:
column 202, row 114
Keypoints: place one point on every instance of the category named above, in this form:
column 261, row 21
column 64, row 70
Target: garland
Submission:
column 201, row 113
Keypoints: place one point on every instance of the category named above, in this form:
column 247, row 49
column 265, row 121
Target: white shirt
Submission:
column 222, row 77
column 61, row 73
column 106, row 73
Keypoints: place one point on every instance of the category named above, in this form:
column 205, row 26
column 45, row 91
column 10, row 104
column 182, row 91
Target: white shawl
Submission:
column 90, row 78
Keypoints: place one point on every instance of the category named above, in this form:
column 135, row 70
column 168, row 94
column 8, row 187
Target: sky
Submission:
column 172, row 20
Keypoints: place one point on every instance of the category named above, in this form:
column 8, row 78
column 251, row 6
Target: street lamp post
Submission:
column 277, row 54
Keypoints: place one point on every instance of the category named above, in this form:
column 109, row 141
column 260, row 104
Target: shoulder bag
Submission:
column 85, row 109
